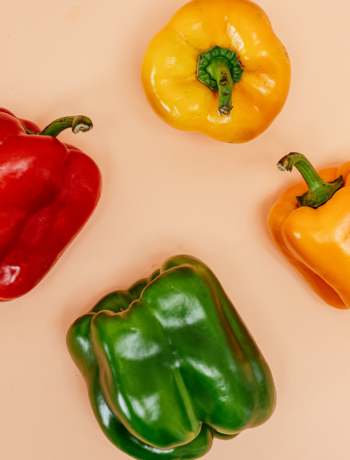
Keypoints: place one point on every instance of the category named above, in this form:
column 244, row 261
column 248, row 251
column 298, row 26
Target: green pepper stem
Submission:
column 319, row 191
column 77, row 123
column 219, row 70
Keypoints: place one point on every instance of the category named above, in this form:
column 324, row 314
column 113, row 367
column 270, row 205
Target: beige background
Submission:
column 168, row 192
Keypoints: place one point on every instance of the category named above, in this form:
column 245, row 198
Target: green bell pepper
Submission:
column 169, row 364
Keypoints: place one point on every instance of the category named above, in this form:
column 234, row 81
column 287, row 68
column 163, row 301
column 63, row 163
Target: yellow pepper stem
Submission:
column 319, row 191
column 220, row 69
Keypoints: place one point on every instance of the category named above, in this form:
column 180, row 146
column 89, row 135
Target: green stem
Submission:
column 219, row 71
column 319, row 190
column 77, row 123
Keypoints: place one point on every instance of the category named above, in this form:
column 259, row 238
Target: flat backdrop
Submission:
column 167, row 192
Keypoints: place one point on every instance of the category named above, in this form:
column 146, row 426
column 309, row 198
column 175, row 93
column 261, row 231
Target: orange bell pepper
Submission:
column 218, row 68
column 313, row 230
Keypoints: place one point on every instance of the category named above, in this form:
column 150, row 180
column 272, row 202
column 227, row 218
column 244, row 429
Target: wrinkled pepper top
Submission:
column 172, row 68
column 169, row 364
column 316, row 241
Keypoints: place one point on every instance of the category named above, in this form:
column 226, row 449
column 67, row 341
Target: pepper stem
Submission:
column 319, row 191
column 219, row 71
column 77, row 123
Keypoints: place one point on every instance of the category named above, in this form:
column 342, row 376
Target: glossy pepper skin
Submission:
column 316, row 241
column 178, row 97
column 169, row 364
column 48, row 190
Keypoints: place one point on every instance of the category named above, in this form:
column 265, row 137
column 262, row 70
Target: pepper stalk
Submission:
column 77, row 123
column 220, row 69
column 319, row 191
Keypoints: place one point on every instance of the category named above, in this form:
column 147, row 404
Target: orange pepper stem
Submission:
column 319, row 191
column 77, row 123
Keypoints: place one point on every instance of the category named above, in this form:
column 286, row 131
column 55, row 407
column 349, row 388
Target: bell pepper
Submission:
column 169, row 364
column 310, row 225
column 48, row 190
column 218, row 68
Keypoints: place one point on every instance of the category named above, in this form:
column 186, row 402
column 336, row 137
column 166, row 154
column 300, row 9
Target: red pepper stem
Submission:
column 319, row 191
column 77, row 123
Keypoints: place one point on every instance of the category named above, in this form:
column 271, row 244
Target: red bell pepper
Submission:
column 48, row 190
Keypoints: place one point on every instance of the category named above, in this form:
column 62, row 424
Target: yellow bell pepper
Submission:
column 218, row 68
column 312, row 228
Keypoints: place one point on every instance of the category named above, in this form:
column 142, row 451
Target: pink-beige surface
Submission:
column 167, row 192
